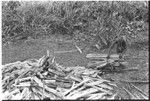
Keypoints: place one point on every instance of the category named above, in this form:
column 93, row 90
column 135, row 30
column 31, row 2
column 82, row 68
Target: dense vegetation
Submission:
column 82, row 20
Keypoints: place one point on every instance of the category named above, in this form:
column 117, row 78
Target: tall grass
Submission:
column 79, row 19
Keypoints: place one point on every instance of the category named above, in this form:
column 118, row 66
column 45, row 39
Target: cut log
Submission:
column 99, row 63
column 96, row 63
column 101, row 56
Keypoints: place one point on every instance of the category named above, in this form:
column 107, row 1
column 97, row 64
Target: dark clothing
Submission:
column 121, row 46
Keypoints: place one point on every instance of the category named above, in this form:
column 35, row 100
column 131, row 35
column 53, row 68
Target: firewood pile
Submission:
column 45, row 79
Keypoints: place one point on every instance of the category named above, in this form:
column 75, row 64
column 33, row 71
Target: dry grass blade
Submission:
column 146, row 82
column 32, row 96
column 15, row 91
column 49, row 95
column 9, row 95
column 11, row 70
column 78, row 48
column 105, row 86
column 97, row 46
column 73, row 84
column 103, row 40
column 112, row 97
column 130, row 94
column 90, row 56
column 143, row 97
column 114, row 56
column 42, row 62
column 53, row 60
column 40, row 83
column 98, row 79
column 43, row 91
column 48, row 54
column 41, row 59
column 89, row 72
column 94, row 83
column 102, row 90
column 24, row 79
column 76, row 86
column 112, row 84
column 58, row 67
column 74, row 78
column 101, row 65
column 36, row 97
column 74, row 92
column 82, row 93
column 27, row 96
column 131, row 69
column 101, row 56
column 56, row 72
column 98, row 88
column 37, row 92
column 10, row 65
column 142, row 93
column 31, row 62
column 20, row 76
column 49, row 81
column 70, row 51
column 86, row 92
column 94, row 96
column 97, row 63
column 17, row 97
column 6, row 95
column 25, row 84
column 24, row 92
column 59, row 95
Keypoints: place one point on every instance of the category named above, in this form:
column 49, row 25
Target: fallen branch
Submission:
column 70, row 51
column 129, row 81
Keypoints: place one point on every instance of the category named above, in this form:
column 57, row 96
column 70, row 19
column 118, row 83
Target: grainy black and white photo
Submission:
column 75, row 50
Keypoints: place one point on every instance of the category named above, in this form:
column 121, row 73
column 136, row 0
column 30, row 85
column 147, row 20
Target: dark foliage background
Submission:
column 81, row 20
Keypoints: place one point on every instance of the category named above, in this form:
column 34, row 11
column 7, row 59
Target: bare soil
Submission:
column 136, row 56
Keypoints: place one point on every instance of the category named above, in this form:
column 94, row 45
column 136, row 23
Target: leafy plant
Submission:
column 72, row 17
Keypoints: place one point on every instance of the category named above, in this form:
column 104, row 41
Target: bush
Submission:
column 104, row 18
